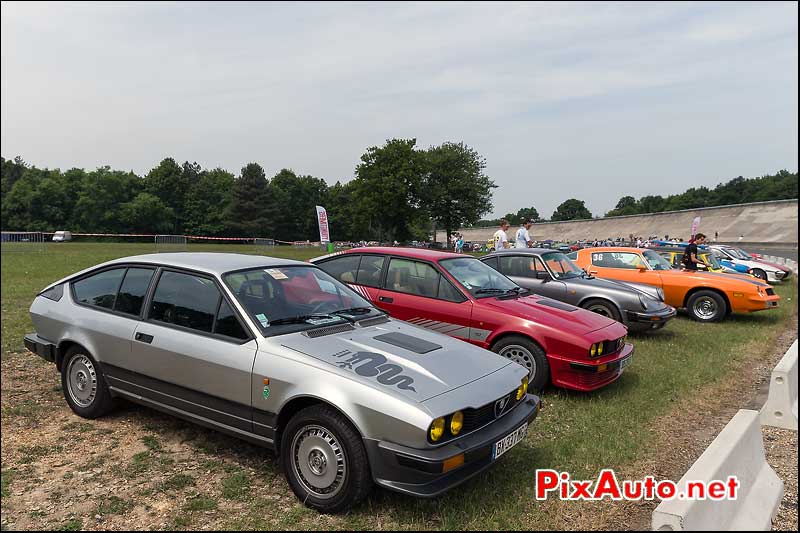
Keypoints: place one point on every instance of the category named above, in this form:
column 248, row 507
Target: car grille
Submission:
column 614, row 346
column 594, row 379
column 373, row 321
column 476, row 418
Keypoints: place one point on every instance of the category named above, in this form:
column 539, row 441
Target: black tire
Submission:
column 323, row 422
column 528, row 354
column 602, row 307
column 84, row 386
column 707, row 306
column 760, row 274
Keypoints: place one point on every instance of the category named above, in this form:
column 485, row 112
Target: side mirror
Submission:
column 641, row 268
column 541, row 274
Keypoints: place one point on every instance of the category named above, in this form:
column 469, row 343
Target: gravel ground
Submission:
column 780, row 445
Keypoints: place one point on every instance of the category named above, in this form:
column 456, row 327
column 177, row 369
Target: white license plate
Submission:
column 625, row 362
column 509, row 441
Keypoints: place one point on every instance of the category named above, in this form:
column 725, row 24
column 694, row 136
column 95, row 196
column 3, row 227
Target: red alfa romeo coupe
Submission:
column 460, row 296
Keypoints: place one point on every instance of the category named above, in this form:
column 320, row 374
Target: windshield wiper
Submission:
column 348, row 313
column 490, row 290
column 302, row 319
column 515, row 292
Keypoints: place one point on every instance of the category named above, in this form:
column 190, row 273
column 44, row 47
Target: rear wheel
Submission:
column 707, row 306
column 528, row 354
column 84, row 387
column 602, row 307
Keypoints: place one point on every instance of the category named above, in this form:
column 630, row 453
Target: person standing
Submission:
column 523, row 239
column 690, row 260
column 459, row 244
column 500, row 236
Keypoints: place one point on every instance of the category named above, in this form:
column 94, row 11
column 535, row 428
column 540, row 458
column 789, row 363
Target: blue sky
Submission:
column 593, row 101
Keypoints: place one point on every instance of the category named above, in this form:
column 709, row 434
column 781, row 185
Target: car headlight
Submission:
column 596, row 349
column 523, row 388
column 643, row 301
column 456, row 423
column 437, row 429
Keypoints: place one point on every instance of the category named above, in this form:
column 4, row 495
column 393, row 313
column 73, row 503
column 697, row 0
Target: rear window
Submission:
column 100, row 289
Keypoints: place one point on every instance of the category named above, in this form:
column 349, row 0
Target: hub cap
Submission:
column 81, row 380
column 318, row 461
column 599, row 309
column 520, row 354
column 705, row 308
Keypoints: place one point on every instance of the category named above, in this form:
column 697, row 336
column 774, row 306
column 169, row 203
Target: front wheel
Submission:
column 83, row 384
column 528, row 354
column 707, row 306
column 760, row 274
column 324, row 460
column 603, row 307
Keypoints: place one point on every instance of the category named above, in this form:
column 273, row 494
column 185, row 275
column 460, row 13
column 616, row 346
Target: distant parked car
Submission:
column 761, row 270
column 550, row 273
column 62, row 236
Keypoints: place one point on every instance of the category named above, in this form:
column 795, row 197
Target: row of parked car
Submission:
column 405, row 368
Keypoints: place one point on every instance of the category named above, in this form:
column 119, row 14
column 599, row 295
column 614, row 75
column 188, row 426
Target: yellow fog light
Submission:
column 599, row 349
column 593, row 350
column 456, row 423
column 437, row 429
column 523, row 388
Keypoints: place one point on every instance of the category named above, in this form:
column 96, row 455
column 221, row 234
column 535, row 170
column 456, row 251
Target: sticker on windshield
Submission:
column 319, row 321
column 275, row 273
column 263, row 319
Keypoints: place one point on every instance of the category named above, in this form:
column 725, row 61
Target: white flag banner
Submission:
column 322, row 218
column 695, row 225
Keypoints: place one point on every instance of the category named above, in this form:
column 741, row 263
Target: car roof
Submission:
column 532, row 251
column 614, row 249
column 416, row 253
column 210, row 262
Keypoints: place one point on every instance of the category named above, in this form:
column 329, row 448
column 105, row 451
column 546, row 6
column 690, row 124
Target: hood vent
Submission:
column 328, row 330
column 374, row 321
column 412, row 344
column 557, row 305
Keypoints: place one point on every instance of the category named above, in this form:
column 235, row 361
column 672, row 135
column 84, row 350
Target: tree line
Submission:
column 399, row 192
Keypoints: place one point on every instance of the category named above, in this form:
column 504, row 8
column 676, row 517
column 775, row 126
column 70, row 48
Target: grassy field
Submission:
column 241, row 487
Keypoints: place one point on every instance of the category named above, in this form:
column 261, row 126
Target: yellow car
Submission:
column 673, row 255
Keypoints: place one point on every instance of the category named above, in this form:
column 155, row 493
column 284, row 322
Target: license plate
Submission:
column 625, row 362
column 509, row 441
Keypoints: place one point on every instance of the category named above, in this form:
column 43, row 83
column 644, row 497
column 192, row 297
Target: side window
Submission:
column 133, row 290
column 343, row 268
column 227, row 323
column 369, row 273
column 185, row 300
column 573, row 256
column 617, row 260
column 523, row 266
column 412, row 277
column 100, row 289
column 448, row 292
column 492, row 262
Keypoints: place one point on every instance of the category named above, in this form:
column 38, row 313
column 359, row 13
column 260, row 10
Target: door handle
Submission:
column 386, row 299
column 143, row 337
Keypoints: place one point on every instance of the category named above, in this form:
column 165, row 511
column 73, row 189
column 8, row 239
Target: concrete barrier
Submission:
column 781, row 407
column 737, row 451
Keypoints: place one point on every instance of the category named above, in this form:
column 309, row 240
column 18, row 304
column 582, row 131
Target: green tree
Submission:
column 146, row 214
column 207, row 201
column 387, row 189
column 456, row 191
column 10, row 173
column 528, row 213
column 169, row 183
column 252, row 209
column 101, row 194
column 298, row 197
column 340, row 205
column 571, row 209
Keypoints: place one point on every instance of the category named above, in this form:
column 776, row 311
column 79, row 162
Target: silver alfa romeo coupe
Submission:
column 281, row 354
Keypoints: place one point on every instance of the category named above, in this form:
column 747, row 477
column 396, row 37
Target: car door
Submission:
column 192, row 351
column 417, row 292
column 623, row 266
column 113, row 300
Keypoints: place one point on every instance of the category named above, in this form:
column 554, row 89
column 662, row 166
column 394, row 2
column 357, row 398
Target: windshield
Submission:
column 478, row 278
column 743, row 255
column 711, row 260
column 560, row 266
column 294, row 298
column 655, row 261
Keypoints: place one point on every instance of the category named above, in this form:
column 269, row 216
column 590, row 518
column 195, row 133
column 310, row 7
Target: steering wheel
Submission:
column 318, row 308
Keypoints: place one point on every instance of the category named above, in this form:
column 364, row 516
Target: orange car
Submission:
column 707, row 296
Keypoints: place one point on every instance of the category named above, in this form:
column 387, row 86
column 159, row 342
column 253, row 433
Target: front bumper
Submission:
column 41, row 347
column 588, row 375
column 422, row 472
column 654, row 320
